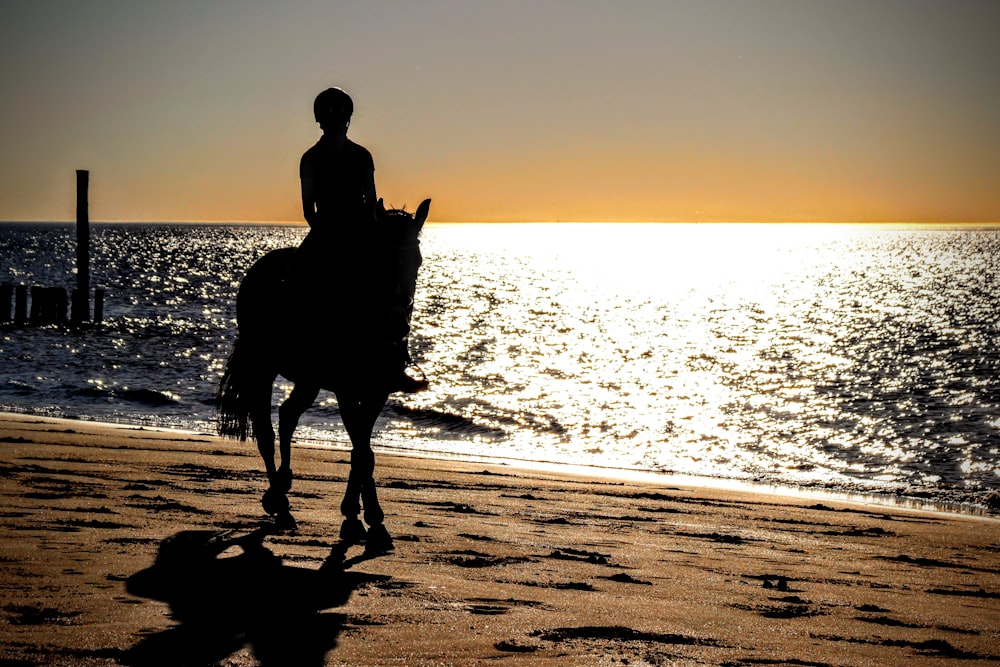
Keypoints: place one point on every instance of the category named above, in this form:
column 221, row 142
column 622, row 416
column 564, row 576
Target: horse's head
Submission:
column 399, row 226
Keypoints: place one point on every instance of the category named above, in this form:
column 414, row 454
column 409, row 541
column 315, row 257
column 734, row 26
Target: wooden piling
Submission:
column 48, row 305
column 21, row 305
column 6, row 294
column 81, row 295
column 36, row 303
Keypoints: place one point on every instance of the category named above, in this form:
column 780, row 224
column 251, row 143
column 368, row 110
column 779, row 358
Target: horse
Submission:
column 353, row 345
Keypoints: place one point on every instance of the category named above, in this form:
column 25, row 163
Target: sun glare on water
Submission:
column 856, row 356
column 621, row 332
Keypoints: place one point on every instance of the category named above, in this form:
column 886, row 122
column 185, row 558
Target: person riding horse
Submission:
column 332, row 314
column 339, row 203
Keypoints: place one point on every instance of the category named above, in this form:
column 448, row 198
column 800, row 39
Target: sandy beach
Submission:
column 129, row 546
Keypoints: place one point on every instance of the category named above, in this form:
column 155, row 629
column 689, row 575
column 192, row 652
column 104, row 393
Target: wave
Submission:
column 148, row 397
column 446, row 421
column 19, row 387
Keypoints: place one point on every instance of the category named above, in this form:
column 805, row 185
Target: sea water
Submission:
column 849, row 358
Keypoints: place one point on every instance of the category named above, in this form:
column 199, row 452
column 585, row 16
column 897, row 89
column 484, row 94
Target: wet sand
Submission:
column 124, row 546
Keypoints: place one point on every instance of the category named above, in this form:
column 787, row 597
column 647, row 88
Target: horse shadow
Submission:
column 227, row 591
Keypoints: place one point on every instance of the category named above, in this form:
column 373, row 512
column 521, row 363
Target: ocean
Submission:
column 851, row 359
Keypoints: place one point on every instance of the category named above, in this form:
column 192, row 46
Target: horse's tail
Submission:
column 232, row 400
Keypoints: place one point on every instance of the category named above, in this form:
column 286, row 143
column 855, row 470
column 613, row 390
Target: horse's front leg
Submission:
column 276, row 498
column 359, row 416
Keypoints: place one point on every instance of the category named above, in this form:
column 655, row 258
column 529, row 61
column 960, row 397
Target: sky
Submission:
column 515, row 110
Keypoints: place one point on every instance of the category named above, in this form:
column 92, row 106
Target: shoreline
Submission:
column 141, row 547
column 694, row 481
column 624, row 474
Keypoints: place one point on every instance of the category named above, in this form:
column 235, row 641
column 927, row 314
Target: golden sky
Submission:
column 515, row 110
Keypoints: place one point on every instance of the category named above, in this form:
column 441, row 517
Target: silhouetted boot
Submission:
column 403, row 382
column 410, row 385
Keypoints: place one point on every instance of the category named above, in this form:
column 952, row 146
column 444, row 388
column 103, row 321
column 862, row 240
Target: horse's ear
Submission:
column 421, row 215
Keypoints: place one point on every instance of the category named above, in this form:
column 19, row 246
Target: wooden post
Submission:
column 59, row 305
column 37, row 304
column 81, row 296
column 6, row 294
column 21, row 305
column 48, row 306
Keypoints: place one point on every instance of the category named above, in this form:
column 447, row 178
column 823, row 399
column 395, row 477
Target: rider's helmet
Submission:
column 333, row 105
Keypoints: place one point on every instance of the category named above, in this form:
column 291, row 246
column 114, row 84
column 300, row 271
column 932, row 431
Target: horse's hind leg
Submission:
column 293, row 407
column 275, row 500
column 263, row 431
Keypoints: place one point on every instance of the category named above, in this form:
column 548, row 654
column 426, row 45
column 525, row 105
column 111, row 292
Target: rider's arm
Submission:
column 309, row 199
column 309, row 183
column 369, row 196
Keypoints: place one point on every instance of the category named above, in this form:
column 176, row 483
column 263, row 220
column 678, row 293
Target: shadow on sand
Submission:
column 228, row 591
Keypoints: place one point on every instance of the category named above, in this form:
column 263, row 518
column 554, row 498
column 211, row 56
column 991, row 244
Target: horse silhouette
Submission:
column 338, row 324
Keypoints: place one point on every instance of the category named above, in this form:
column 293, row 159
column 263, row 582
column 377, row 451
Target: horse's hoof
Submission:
column 274, row 502
column 379, row 541
column 281, row 481
column 352, row 531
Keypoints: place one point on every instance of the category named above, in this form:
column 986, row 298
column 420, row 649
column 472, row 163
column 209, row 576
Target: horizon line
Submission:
column 987, row 223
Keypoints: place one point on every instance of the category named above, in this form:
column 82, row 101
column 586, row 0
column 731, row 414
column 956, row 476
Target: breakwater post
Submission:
column 48, row 305
column 81, row 295
column 20, row 305
column 6, row 294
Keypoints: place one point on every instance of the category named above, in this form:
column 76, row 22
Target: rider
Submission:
column 339, row 203
column 338, row 175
